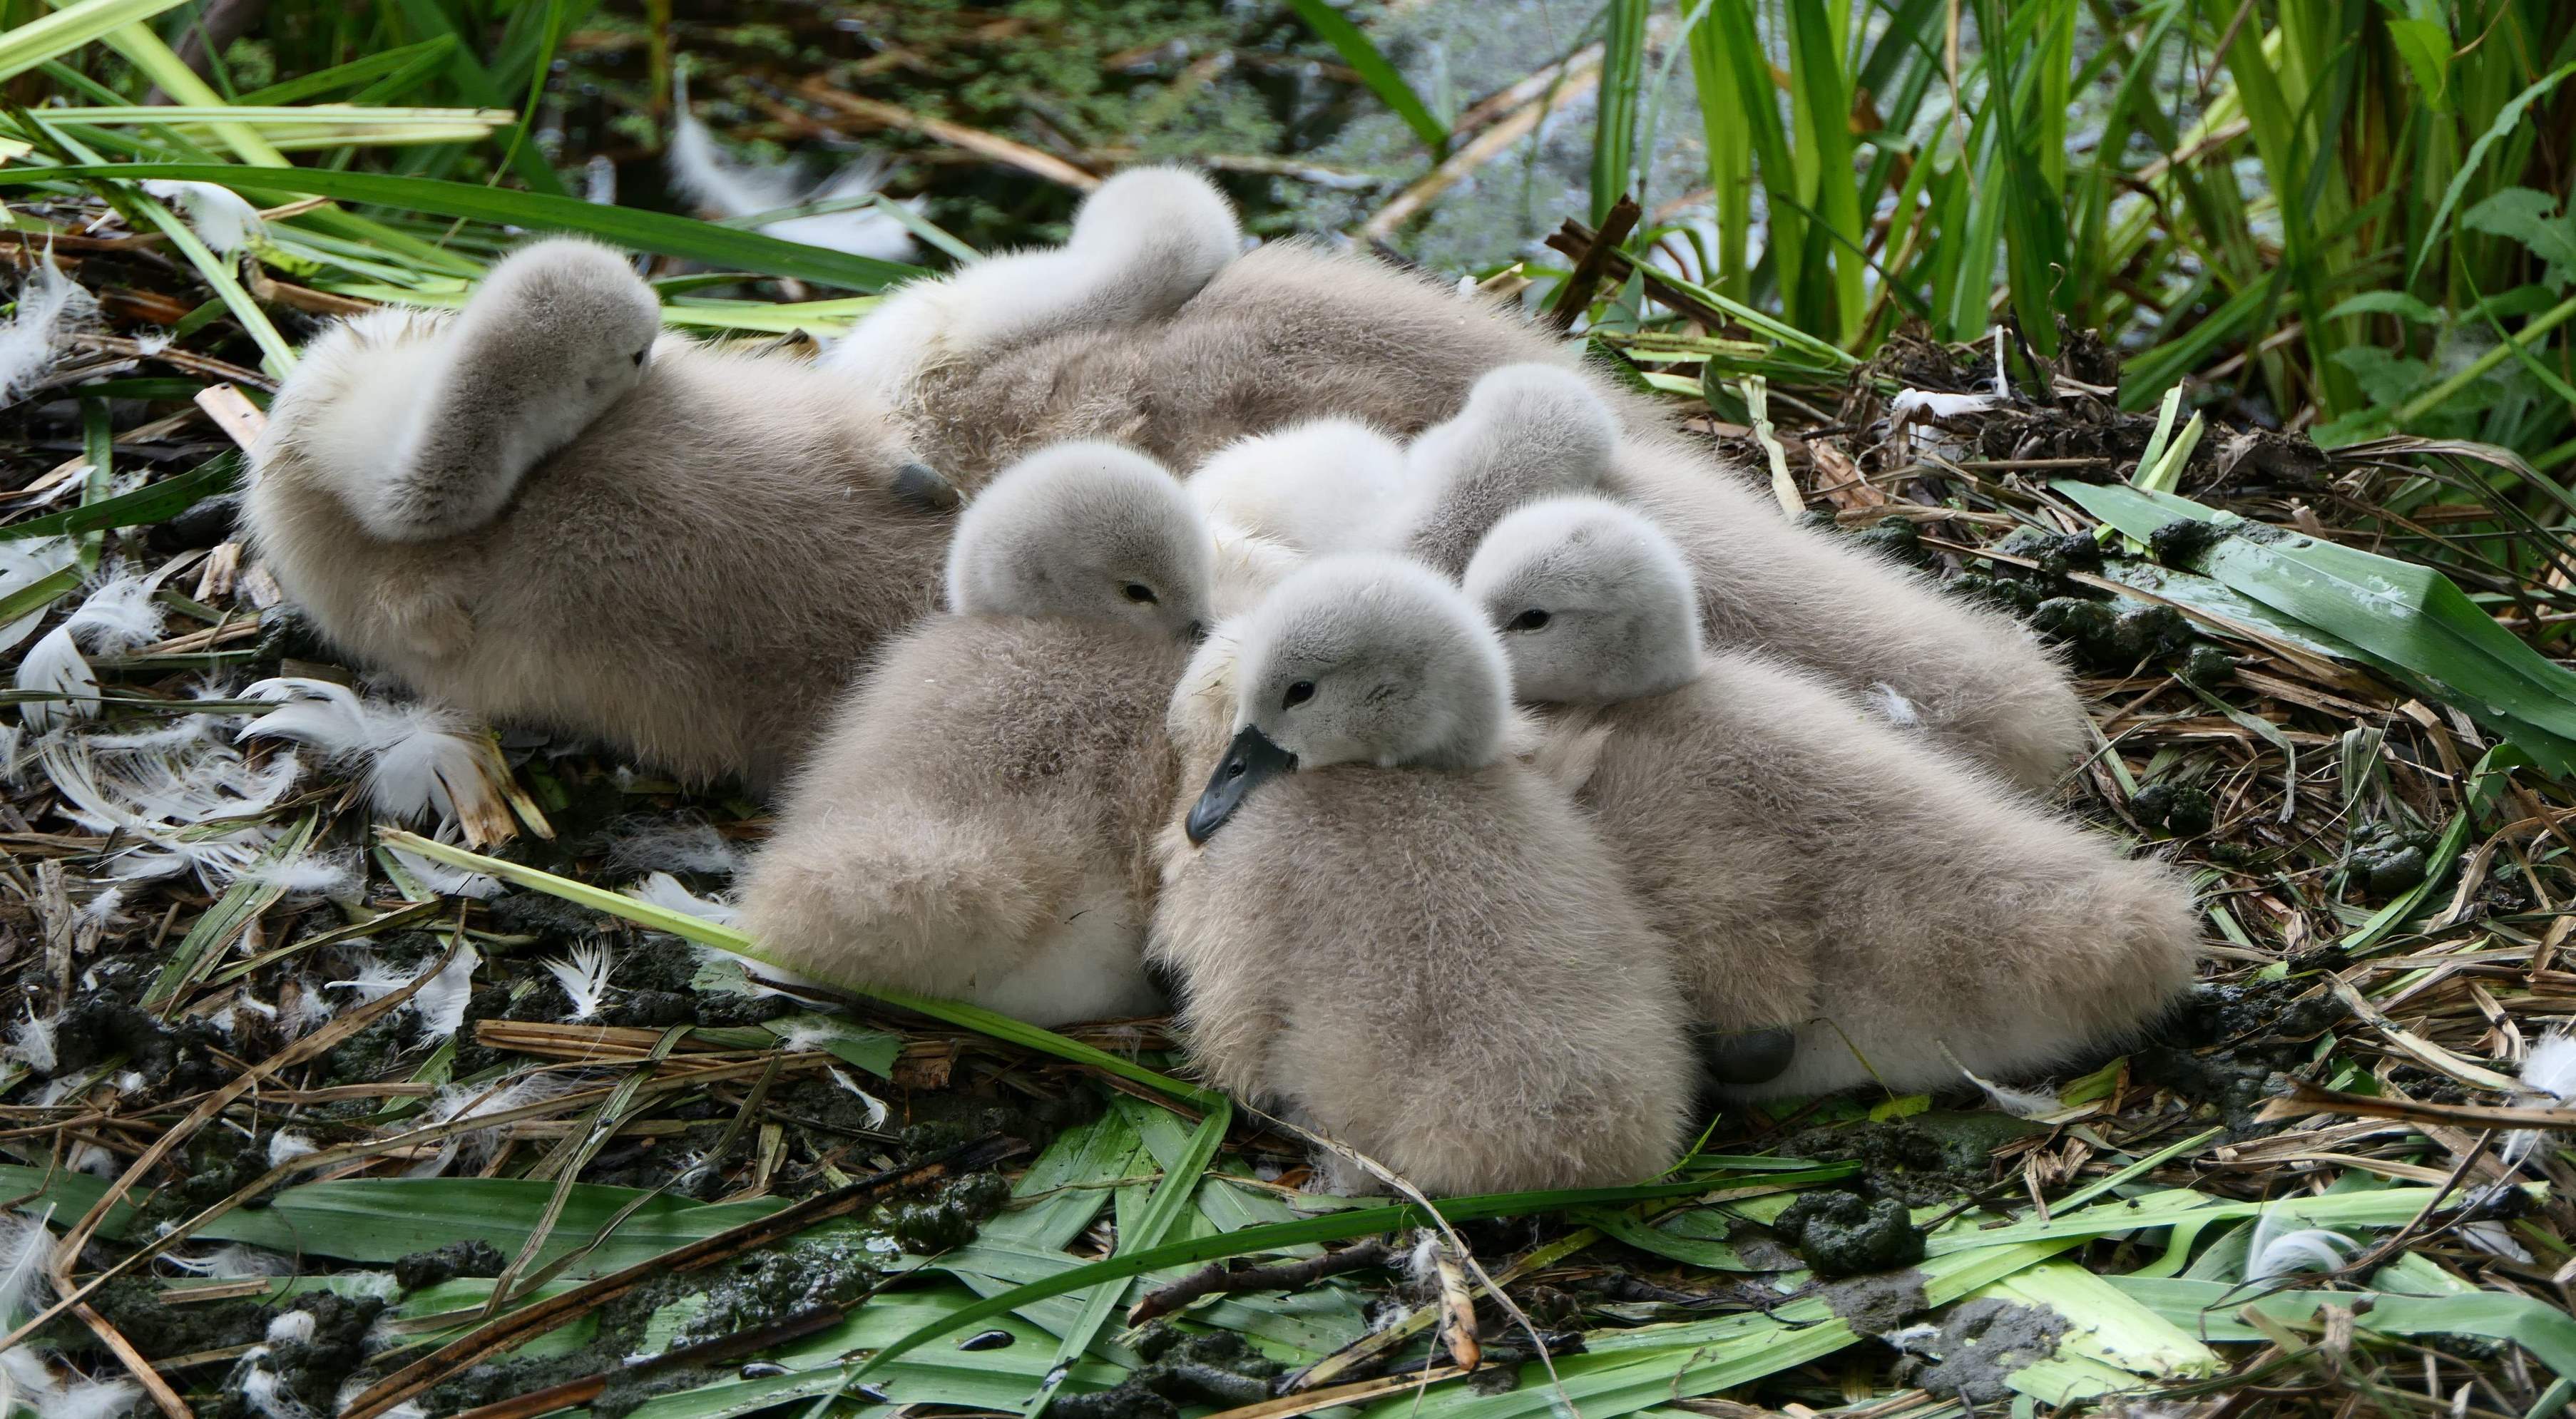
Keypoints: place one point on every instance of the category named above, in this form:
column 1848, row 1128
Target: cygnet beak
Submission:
column 1745, row 1056
column 922, row 486
column 1249, row 760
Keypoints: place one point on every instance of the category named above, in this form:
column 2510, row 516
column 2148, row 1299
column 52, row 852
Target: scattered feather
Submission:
column 291, row 1325
column 52, row 308
column 1914, row 406
column 218, row 215
column 684, row 845
column 119, row 616
column 25, row 1243
column 1894, row 708
column 285, row 1147
column 743, row 190
column 24, row 562
column 55, row 669
column 439, row 1005
column 584, row 978
column 446, row 880
column 420, row 758
column 2275, row 1250
column 91, row 1399
column 32, row 1040
column 92, row 1159
column 237, row 1262
column 663, row 890
column 2549, row 1079
column 333, row 875
column 878, row 1113
column 2494, row 1240
column 2020, row 1103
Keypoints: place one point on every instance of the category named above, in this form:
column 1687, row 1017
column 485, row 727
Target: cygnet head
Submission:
column 1358, row 659
column 559, row 331
column 1087, row 530
column 1542, row 421
column 1593, row 602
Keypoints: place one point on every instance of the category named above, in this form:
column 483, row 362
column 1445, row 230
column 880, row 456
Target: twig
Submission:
column 2306, row 1098
column 1576, row 296
column 1215, row 1279
column 973, row 140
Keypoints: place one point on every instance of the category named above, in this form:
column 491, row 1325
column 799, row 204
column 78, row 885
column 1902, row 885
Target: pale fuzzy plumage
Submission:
column 1273, row 500
column 977, row 823
column 285, row 1147
column 2277, row 1248
column 290, row 1326
column 218, row 215
column 686, row 556
column 419, row 758
column 542, row 614
column 1977, row 682
column 1144, row 242
column 25, row 1379
column 733, row 189
column 1460, row 930
column 52, row 309
column 583, row 975
column 2020, row 1103
column 1907, row 916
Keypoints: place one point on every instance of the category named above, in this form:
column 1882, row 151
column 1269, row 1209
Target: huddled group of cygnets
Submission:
column 1492, row 777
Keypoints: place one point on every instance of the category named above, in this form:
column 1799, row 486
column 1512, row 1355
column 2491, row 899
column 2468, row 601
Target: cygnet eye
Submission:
column 1529, row 620
column 1139, row 593
column 1298, row 694
column 640, row 354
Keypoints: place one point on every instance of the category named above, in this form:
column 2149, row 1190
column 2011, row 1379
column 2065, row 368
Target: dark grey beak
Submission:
column 1250, row 759
column 922, row 486
column 1745, row 1056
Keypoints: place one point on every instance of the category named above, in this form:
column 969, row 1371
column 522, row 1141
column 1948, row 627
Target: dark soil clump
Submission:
column 1845, row 1234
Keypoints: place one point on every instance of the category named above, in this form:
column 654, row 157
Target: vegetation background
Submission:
column 2228, row 340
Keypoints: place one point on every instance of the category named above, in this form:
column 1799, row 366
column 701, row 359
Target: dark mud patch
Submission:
column 2228, row 1047
column 1874, row 1305
column 1180, row 1370
column 1846, row 1234
column 1983, row 1344
column 477, row 1258
column 1923, row 1161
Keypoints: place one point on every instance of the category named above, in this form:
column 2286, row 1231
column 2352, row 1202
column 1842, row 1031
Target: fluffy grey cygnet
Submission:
column 977, row 822
column 1813, row 866
column 1978, row 682
column 540, row 511
column 1395, row 933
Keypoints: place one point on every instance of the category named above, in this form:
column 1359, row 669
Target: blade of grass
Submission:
column 1361, row 53
column 70, row 28
column 657, row 232
column 1614, row 128
column 1331, row 1227
column 726, row 939
column 1162, row 1212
